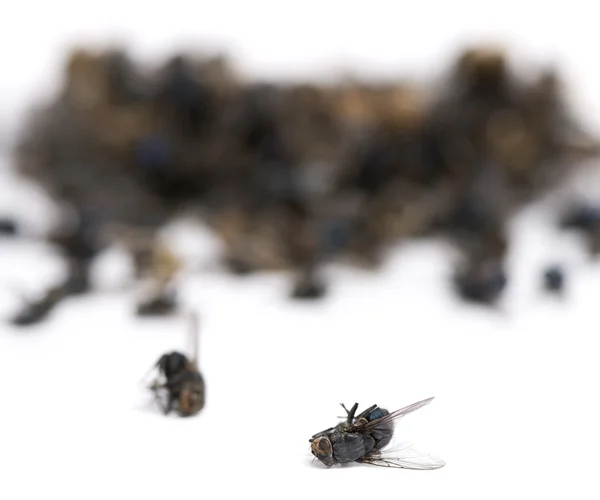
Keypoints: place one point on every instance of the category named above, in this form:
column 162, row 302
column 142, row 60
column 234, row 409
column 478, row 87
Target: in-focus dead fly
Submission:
column 179, row 380
column 364, row 438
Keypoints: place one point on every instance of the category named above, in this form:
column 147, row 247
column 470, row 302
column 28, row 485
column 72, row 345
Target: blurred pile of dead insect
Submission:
column 291, row 176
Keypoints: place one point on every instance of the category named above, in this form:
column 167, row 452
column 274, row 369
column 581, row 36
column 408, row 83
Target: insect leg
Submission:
column 362, row 415
column 366, row 412
column 351, row 413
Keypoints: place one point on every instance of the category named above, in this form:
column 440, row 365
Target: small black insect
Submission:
column 8, row 227
column 582, row 217
column 37, row 311
column 554, row 279
column 239, row 266
column 363, row 439
column 309, row 285
column 481, row 282
column 163, row 304
column 75, row 283
column 181, row 379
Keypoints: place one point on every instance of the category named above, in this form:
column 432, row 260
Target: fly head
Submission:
column 321, row 448
column 172, row 363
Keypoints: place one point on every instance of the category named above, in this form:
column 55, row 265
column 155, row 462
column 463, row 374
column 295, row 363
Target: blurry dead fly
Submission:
column 164, row 266
column 582, row 217
column 164, row 304
column 309, row 285
column 179, row 380
column 481, row 281
column 364, row 438
column 155, row 261
column 8, row 227
column 36, row 311
column 585, row 219
column 554, row 279
column 75, row 283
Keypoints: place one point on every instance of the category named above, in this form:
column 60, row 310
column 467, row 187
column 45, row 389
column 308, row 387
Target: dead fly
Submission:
column 363, row 438
column 554, row 280
column 8, row 227
column 36, row 311
column 179, row 380
column 163, row 267
column 309, row 285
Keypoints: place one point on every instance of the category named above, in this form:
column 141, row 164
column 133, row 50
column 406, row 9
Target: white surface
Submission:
column 516, row 413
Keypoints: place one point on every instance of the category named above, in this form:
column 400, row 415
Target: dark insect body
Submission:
column 162, row 305
column 309, row 286
column 362, row 438
column 582, row 217
column 384, row 432
column 482, row 282
column 183, row 382
column 39, row 310
column 585, row 219
column 8, row 227
column 554, row 279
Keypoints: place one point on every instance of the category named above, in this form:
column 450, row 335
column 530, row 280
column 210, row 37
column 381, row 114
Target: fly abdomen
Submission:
column 189, row 391
column 350, row 446
column 383, row 435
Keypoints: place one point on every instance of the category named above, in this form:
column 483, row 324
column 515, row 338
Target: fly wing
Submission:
column 395, row 415
column 147, row 382
column 404, row 456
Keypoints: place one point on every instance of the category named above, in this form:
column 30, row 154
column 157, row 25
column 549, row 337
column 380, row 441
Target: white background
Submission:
column 515, row 414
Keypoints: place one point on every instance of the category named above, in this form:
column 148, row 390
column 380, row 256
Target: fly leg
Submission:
column 165, row 408
column 366, row 412
column 79, row 253
column 345, row 409
column 351, row 413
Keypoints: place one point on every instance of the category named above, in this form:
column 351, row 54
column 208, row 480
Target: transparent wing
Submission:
column 404, row 456
column 395, row 415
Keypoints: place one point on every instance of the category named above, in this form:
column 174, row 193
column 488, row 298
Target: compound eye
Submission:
column 324, row 446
